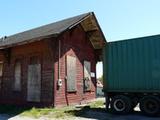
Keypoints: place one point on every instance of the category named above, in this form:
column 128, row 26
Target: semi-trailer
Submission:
column 132, row 75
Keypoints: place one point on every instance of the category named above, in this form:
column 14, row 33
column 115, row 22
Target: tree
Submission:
column 101, row 79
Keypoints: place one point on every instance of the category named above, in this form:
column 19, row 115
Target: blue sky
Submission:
column 119, row 19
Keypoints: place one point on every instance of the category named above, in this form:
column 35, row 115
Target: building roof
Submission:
column 88, row 22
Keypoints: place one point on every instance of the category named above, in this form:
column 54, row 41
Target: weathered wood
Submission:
column 89, row 24
column 71, row 73
column 34, row 83
column 17, row 76
column 87, row 75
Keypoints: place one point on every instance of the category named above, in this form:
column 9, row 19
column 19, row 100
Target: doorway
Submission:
column 34, row 81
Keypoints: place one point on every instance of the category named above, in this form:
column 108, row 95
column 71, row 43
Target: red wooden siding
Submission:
column 75, row 43
column 24, row 53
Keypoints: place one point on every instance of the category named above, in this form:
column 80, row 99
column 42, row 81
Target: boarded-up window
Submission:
column 34, row 81
column 71, row 74
column 1, row 73
column 1, row 68
column 87, row 75
column 17, row 76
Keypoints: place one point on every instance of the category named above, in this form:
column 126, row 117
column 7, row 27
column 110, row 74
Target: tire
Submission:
column 149, row 105
column 121, row 104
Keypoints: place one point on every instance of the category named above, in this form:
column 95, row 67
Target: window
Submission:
column 1, row 68
column 71, row 74
column 17, row 76
column 87, row 75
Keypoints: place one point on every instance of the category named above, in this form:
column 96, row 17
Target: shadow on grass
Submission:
column 8, row 111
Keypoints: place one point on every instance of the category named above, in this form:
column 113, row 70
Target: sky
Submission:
column 118, row 19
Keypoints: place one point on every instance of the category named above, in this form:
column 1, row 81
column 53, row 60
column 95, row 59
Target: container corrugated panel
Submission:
column 132, row 65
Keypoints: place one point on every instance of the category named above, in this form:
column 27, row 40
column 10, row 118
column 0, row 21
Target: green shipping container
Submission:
column 132, row 65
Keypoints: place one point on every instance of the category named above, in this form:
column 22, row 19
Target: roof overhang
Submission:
column 93, row 30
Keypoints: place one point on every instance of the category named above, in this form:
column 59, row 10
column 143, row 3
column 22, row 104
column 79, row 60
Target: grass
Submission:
column 48, row 112
column 64, row 112
column 97, row 104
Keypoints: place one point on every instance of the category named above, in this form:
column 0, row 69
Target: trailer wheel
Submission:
column 121, row 104
column 149, row 105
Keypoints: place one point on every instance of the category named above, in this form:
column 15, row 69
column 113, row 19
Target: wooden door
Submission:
column 17, row 76
column 71, row 74
column 34, row 83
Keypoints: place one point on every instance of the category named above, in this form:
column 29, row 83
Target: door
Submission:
column 34, row 82
column 17, row 76
column 71, row 74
